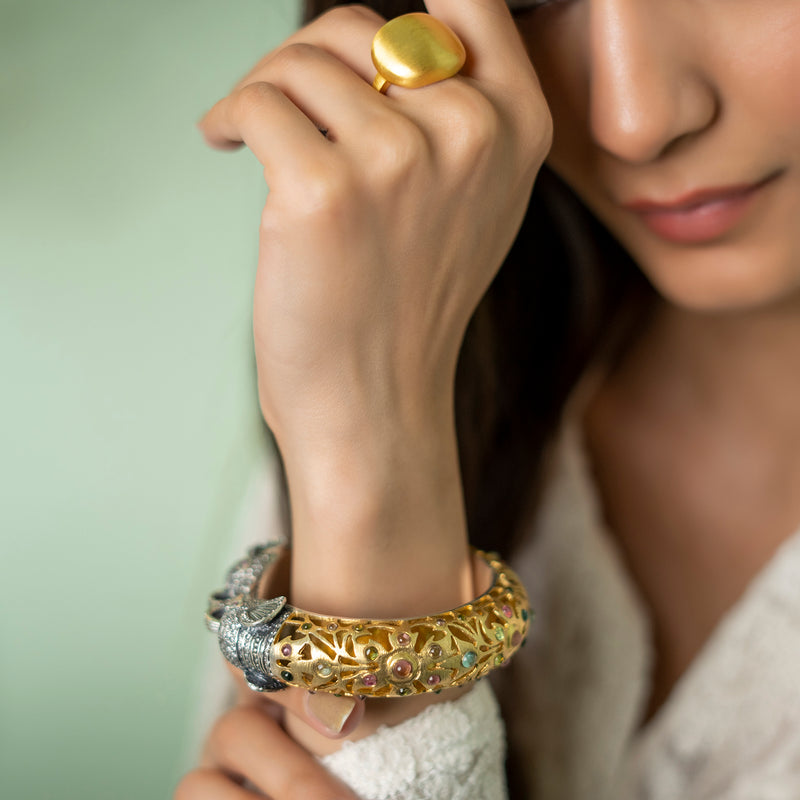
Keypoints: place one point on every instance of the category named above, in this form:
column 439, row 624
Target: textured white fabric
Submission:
column 454, row 750
column 581, row 680
column 731, row 728
column 573, row 699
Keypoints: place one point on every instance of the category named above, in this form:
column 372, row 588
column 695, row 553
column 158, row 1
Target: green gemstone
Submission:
column 371, row 653
column 524, row 614
column 403, row 690
column 498, row 660
column 358, row 628
column 468, row 659
column 324, row 670
column 437, row 691
column 306, row 626
column 286, row 675
column 499, row 633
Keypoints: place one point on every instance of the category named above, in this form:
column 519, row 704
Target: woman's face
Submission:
column 678, row 123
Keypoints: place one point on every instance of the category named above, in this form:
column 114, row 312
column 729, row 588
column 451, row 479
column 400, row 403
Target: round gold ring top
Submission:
column 415, row 50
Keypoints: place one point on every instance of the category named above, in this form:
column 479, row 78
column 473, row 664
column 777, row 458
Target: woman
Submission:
column 627, row 436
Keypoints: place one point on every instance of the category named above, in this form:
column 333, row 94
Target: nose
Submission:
column 648, row 87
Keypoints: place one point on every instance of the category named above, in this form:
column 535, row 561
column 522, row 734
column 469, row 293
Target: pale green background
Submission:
column 128, row 420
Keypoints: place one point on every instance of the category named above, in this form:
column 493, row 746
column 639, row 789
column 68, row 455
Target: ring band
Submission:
column 415, row 50
column 277, row 645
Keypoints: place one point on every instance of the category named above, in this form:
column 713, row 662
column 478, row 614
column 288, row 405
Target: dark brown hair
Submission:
column 565, row 293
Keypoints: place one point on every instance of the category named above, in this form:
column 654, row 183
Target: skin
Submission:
column 356, row 339
column 657, row 99
column 375, row 249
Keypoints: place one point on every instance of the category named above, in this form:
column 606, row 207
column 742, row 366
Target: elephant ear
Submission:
column 259, row 682
column 258, row 612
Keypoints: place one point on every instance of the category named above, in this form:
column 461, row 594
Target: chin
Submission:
column 722, row 279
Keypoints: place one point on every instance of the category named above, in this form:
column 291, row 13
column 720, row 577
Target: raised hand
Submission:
column 377, row 242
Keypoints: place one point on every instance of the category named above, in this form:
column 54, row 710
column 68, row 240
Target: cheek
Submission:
column 573, row 154
column 558, row 48
column 753, row 62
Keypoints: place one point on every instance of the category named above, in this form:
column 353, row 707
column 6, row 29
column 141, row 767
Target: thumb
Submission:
column 334, row 717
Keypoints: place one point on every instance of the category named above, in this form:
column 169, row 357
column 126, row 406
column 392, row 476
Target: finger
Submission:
column 211, row 784
column 281, row 136
column 495, row 50
column 333, row 717
column 326, row 89
column 345, row 32
column 247, row 742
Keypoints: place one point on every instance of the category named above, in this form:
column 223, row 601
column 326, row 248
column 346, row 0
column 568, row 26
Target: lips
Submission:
column 701, row 216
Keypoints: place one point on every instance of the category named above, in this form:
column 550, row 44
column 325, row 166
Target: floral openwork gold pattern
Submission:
column 396, row 658
column 277, row 645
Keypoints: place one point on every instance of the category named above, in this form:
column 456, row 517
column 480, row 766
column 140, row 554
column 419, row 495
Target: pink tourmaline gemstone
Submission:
column 403, row 639
column 402, row 668
column 369, row 680
column 433, row 680
column 508, row 612
column 286, row 649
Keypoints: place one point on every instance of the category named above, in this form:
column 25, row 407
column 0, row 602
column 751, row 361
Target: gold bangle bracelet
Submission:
column 277, row 645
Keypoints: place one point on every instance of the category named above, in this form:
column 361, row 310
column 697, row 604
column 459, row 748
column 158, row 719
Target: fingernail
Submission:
column 330, row 710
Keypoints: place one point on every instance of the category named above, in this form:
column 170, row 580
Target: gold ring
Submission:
column 415, row 50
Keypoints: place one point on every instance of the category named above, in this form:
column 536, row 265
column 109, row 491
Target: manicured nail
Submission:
column 330, row 710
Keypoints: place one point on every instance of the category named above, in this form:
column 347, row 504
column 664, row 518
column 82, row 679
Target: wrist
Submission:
column 353, row 486
column 378, row 523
